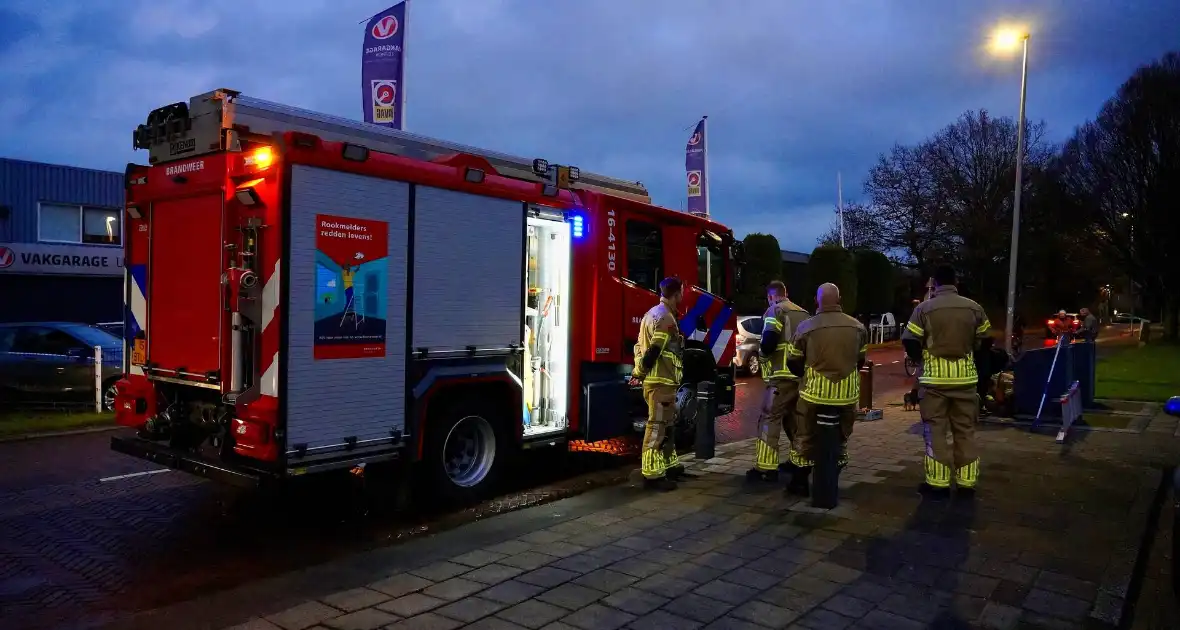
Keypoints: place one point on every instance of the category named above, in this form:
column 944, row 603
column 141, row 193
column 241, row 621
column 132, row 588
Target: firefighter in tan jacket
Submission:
column 944, row 333
column 657, row 365
column 827, row 351
column 782, row 387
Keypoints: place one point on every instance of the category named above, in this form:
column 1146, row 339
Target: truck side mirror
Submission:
column 702, row 325
column 738, row 258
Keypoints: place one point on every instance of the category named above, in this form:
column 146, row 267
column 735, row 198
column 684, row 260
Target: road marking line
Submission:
column 896, row 362
column 138, row 474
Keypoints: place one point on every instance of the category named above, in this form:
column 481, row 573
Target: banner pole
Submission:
column 405, row 47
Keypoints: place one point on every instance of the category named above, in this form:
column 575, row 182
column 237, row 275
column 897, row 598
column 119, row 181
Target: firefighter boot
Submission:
column 679, row 473
column 799, row 484
column 659, row 484
column 754, row 474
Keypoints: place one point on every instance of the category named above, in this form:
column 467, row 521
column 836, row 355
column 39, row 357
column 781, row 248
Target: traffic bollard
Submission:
column 706, row 442
column 98, row 393
column 866, row 386
column 825, row 483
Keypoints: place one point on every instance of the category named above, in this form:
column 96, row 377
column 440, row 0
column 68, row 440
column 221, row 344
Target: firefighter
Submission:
column 827, row 352
column 657, row 366
column 782, row 387
column 945, row 333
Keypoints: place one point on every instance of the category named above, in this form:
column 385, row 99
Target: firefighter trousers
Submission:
column 659, row 438
column 953, row 409
column 778, row 410
column 806, row 440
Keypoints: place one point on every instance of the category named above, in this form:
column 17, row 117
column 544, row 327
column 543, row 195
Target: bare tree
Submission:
column 1122, row 174
column 973, row 165
column 862, row 229
column 904, row 202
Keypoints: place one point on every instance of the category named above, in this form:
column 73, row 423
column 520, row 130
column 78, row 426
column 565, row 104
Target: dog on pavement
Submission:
column 911, row 400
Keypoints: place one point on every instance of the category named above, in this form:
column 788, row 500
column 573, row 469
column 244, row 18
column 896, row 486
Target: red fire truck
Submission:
column 308, row 293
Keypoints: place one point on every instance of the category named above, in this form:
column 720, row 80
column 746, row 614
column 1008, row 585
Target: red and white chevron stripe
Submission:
column 271, row 296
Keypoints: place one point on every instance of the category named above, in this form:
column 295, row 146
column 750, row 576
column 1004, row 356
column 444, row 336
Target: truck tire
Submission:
column 108, row 394
column 465, row 450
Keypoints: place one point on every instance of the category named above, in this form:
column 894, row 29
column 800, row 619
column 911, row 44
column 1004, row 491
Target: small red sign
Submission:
column 384, row 94
column 385, row 28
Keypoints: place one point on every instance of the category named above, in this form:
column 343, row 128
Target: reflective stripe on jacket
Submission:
column 782, row 318
column 659, row 328
column 949, row 327
column 832, row 346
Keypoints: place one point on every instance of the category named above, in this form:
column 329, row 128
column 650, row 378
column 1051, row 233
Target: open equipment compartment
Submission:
column 547, row 322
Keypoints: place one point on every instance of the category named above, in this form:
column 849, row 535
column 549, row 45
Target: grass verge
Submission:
column 14, row 423
column 1150, row 373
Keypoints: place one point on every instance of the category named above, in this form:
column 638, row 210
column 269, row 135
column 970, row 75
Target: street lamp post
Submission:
column 1008, row 39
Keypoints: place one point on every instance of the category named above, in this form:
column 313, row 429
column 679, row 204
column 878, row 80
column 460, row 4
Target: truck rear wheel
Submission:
column 108, row 394
column 464, row 452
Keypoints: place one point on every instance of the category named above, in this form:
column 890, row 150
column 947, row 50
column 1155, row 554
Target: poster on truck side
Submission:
column 351, row 282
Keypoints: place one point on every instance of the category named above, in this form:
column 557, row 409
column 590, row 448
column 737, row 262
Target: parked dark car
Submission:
column 115, row 328
column 53, row 362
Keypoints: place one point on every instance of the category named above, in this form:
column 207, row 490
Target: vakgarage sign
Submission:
column 61, row 260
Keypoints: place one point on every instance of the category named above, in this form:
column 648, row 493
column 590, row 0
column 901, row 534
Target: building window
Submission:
column 62, row 223
column 645, row 255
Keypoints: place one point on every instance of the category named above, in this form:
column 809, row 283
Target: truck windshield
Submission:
column 711, row 263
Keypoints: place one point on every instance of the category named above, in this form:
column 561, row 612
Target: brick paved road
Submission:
column 1050, row 542
column 74, row 547
column 73, row 544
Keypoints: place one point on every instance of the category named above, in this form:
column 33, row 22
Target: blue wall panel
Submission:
column 24, row 184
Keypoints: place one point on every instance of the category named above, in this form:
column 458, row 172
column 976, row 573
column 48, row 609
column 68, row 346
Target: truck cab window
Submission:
column 711, row 263
column 645, row 255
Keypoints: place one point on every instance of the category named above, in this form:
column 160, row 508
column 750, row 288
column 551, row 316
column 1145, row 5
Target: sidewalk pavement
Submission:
column 1156, row 607
column 1050, row 541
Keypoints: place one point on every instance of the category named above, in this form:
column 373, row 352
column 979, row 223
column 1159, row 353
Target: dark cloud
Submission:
column 795, row 91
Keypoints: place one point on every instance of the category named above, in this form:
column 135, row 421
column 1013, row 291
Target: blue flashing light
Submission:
column 579, row 227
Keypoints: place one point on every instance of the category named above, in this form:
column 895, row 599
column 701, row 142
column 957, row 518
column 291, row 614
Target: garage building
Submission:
column 61, row 243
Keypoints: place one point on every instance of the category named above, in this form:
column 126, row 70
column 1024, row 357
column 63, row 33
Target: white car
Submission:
column 749, row 336
column 1128, row 318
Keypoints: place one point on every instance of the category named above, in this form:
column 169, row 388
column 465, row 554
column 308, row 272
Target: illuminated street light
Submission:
column 1006, row 40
